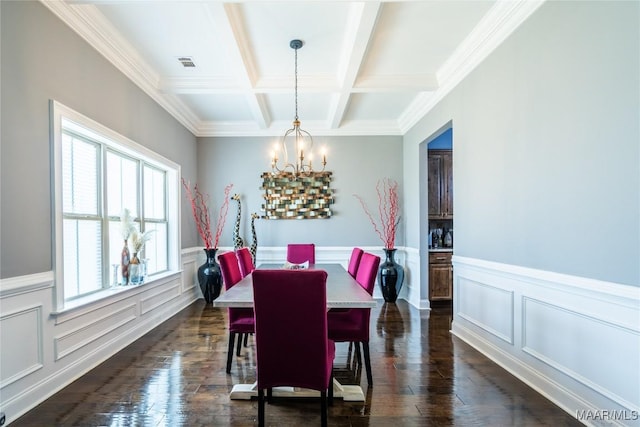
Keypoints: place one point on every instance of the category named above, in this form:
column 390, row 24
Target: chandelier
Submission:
column 297, row 138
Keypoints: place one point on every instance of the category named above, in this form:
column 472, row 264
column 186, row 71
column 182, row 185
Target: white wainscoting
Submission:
column 43, row 351
column 574, row 340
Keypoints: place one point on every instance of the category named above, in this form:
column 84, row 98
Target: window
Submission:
column 99, row 174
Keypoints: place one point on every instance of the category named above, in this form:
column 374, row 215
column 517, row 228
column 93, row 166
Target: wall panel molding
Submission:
column 575, row 340
column 473, row 307
column 570, row 327
column 93, row 329
column 159, row 298
column 22, row 354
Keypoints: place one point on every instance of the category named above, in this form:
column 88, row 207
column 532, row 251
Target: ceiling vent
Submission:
column 186, row 61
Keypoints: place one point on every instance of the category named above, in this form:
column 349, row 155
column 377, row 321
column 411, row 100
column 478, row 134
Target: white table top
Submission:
column 342, row 290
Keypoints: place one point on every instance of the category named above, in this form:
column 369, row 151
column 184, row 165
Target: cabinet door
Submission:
column 440, row 184
column 447, row 184
column 435, row 189
column 440, row 279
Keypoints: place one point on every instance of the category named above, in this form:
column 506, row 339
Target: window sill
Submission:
column 114, row 292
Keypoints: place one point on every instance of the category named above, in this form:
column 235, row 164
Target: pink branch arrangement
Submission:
column 201, row 213
column 388, row 211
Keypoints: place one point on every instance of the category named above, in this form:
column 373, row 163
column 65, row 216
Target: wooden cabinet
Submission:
column 440, row 182
column 440, row 276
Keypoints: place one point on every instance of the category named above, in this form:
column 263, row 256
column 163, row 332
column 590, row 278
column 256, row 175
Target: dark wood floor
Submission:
column 175, row 376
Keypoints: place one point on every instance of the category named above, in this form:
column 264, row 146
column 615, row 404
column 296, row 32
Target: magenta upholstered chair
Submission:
column 353, row 325
column 291, row 333
column 298, row 253
column 245, row 261
column 354, row 261
column 241, row 320
column 367, row 271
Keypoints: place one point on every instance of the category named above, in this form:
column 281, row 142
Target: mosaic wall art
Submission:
column 307, row 197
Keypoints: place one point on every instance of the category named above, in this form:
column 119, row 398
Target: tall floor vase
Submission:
column 390, row 276
column 209, row 276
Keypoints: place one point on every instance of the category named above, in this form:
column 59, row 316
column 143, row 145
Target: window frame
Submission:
column 61, row 117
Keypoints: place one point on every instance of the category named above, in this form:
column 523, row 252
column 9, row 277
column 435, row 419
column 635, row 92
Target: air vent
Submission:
column 186, row 61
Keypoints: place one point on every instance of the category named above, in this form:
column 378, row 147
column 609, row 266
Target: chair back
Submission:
column 367, row 271
column 292, row 347
column 298, row 253
column 354, row 261
column 230, row 269
column 245, row 261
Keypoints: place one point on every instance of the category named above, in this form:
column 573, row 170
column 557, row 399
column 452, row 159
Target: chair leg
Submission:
column 246, row 339
column 367, row 362
column 239, row 347
column 260, row 407
column 349, row 354
column 232, row 338
column 323, row 408
column 358, row 355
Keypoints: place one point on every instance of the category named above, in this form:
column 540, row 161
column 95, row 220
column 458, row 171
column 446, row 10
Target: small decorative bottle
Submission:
column 124, row 263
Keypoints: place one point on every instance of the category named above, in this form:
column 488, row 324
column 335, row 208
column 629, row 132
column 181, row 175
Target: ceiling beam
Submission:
column 363, row 17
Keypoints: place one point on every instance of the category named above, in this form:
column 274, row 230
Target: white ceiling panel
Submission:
column 366, row 67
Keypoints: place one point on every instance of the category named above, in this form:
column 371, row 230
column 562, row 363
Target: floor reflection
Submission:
column 390, row 325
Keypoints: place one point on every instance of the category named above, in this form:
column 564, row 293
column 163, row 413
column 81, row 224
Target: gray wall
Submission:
column 357, row 164
column 546, row 146
column 43, row 59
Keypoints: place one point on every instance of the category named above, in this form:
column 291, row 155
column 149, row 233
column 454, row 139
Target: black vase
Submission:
column 209, row 276
column 390, row 277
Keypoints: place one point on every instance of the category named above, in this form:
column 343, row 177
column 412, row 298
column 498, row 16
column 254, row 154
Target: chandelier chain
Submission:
column 296, row 80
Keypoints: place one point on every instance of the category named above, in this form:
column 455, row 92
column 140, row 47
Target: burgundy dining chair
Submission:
column 241, row 320
column 354, row 261
column 352, row 325
column 291, row 309
column 245, row 261
column 298, row 253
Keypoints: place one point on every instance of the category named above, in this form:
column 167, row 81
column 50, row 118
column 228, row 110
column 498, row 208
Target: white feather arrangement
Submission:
column 127, row 226
column 139, row 239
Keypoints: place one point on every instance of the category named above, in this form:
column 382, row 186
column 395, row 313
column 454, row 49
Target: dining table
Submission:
column 342, row 292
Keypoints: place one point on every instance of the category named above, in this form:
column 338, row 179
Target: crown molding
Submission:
column 89, row 24
column 501, row 20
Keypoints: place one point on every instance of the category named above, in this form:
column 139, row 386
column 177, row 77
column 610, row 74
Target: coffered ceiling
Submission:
column 366, row 67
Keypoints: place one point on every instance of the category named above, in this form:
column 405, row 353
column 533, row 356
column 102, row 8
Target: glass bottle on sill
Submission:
column 135, row 269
